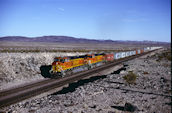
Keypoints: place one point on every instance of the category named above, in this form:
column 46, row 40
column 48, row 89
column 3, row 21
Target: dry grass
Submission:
column 130, row 78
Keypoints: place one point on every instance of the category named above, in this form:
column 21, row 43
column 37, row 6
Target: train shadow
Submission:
column 119, row 107
column 72, row 86
column 45, row 71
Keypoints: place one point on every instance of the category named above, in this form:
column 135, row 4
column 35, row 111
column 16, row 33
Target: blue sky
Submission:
column 92, row 19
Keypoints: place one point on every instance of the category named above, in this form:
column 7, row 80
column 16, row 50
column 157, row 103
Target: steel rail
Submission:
column 11, row 96
column 23, row 86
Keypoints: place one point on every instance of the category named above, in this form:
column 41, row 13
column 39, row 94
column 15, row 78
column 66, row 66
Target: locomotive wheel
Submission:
column 55, row 75
column 62, row 74
column 69, row 72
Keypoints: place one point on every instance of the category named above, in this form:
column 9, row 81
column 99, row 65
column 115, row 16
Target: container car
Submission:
column 132, row 53
column 138, row 51
column 127, row 53
column 123, row 54
column 117, row 55
column 141, row 51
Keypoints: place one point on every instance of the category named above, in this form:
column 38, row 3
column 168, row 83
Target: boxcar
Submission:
column 109, row 57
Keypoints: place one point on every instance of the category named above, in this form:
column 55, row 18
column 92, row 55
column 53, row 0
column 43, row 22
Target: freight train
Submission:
column 66, row 65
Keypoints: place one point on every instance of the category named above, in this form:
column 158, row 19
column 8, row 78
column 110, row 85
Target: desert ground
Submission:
column 63, row 47
column 149, row 92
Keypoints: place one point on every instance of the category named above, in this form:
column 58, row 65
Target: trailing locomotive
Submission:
column 66, row 65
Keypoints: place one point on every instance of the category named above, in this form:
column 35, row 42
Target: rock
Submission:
column 111, row 112
column 162, row 79
column 122, row 72
column 130, row 107
column 94, row 106
column 2, row 111
column 50, row 101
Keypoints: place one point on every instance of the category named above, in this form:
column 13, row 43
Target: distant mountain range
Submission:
column 67, row 39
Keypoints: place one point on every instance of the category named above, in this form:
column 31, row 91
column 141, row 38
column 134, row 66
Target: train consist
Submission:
column 66, row 65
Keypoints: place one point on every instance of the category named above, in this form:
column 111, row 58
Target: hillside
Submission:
column 67, row 39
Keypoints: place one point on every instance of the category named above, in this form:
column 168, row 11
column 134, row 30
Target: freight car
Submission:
column 66, row 65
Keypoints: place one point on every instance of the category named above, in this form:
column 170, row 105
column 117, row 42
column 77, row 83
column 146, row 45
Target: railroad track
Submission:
column 13, row 95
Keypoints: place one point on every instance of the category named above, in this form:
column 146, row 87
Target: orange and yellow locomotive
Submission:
column 65, row 65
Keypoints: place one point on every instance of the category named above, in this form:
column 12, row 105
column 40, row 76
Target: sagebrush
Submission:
column 130, row 78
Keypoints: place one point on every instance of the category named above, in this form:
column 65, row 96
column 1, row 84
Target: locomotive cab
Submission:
column 58, row 65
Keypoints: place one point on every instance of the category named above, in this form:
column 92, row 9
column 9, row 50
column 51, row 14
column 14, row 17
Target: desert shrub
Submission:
column 166, row 65
column 130, row 78
column 166, row 55
column 145, row 72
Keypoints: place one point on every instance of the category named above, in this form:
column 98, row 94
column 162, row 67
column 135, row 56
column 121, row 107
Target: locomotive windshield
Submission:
column 56, row 60
column 62, row 60
column 59, row 60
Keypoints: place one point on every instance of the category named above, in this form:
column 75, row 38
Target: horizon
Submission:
column 90, row 19
column 87, row 38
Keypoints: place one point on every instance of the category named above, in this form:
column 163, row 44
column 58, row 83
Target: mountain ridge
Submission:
column 69, row 39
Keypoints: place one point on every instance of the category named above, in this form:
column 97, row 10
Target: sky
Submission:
column 92, row 19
